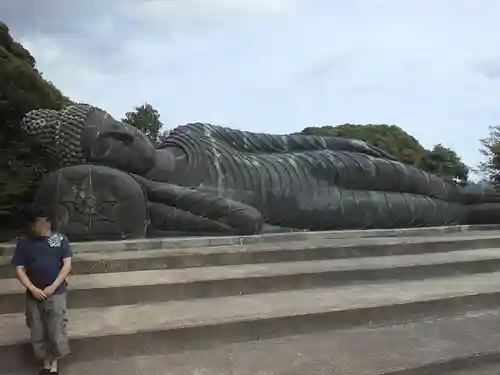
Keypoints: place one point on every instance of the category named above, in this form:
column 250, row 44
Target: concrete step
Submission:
column 135, row 287
column 158, row 298
column 434, row 346
column 459, row 344
column 161, row 327
column 6, row 249
column 121, row 261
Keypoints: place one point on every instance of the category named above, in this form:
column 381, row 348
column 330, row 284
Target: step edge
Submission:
column 250, row 274
column 118, row 255
column 274, row 237
column 277, row 315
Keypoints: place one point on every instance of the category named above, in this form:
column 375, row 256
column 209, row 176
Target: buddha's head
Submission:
column 82, row 134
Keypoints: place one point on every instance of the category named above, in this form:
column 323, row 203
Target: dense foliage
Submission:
column 391, row 138
column 444, row 162
column 146, row 119
column 490, row 148
column 22, row 88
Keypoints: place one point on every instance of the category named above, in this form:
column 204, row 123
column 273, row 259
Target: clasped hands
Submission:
column 41, row 294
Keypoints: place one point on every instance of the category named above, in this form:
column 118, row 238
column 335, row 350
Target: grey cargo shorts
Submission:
column 47, row 322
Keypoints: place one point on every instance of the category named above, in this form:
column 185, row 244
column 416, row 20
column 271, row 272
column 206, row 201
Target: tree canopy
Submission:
column 444, row 162
column 391, row 138
column 490, row 148
column 146, row 119
column 22, row 88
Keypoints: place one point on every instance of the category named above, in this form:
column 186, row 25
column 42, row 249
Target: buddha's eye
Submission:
column 125, row 138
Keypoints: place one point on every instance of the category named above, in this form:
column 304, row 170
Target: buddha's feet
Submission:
column 89, row 202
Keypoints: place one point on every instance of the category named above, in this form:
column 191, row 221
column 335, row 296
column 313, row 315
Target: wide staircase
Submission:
column 406, row 302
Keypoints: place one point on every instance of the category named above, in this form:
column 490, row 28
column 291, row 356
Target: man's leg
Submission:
column 57, row 335
column 36, row 324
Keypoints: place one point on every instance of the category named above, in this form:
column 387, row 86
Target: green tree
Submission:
column 22, row 89
column 146, row 119
column 390, row 138
column 490, row 149
column 445, row 162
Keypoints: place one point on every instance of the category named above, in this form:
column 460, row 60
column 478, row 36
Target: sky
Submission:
column 277, row 66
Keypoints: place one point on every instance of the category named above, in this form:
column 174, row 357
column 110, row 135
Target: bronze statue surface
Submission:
column 110, row 182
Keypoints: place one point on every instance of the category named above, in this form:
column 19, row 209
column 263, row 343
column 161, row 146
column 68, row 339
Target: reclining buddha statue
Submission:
column 108, row 181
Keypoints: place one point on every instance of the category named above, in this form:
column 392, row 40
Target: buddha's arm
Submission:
column 271, row 143
column 242, row 218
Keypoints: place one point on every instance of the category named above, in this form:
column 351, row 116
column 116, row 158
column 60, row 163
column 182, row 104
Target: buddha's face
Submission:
column 112, row 143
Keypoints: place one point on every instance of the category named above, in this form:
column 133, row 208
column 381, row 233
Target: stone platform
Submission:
column 415, row 301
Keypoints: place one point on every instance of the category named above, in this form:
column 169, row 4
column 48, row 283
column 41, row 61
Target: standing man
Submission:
column 43, row 261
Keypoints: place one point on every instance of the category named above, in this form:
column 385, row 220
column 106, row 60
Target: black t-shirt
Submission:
column 42, row 257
